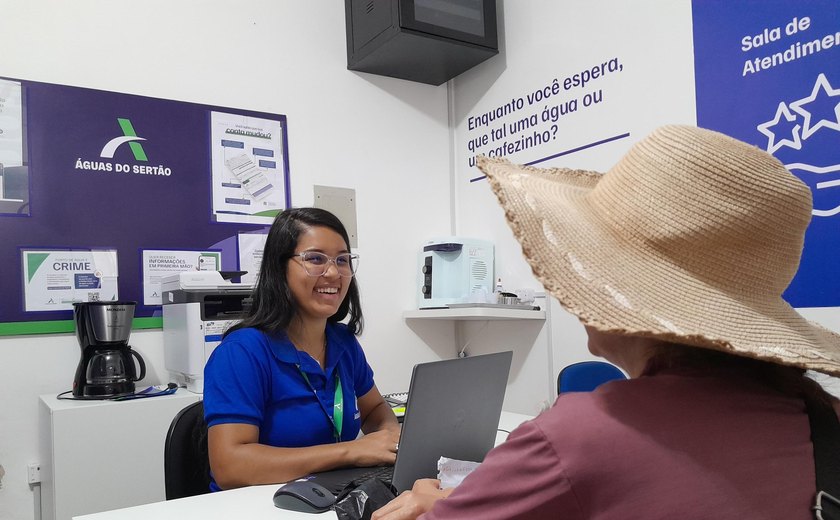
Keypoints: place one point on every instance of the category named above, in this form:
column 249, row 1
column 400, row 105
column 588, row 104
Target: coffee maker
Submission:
column 107, row 367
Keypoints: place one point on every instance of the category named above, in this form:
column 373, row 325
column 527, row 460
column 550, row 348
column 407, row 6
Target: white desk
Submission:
column 253, row 503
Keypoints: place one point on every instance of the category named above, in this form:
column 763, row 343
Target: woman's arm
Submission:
column 238, row 459
column 521, row 479
column 411, row 504
column 375, row 413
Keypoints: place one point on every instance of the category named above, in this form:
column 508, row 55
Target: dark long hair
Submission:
column 273, row 306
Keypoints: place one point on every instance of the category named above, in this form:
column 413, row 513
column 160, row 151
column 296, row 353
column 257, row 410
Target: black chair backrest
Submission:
column 185, row 461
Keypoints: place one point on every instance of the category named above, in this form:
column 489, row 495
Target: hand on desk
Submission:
column 411, row 504
column 377, row 448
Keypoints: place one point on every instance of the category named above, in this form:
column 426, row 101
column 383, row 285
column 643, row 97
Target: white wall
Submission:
column 388, row 139
column 346, row 129
column 544, row 40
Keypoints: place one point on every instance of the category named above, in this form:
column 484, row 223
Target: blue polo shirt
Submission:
column 255, row 378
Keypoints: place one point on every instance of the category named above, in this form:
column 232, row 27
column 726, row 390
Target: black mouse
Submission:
column 303, row 496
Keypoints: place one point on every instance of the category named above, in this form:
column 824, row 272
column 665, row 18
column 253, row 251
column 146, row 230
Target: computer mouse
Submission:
column 303, row 496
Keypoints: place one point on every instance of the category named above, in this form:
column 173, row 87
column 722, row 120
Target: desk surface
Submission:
column 253, row 502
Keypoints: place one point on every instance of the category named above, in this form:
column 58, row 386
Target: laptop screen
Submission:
column 453, row 411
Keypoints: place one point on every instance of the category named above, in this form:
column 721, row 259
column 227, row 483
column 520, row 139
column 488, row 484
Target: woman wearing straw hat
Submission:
column 674, row 261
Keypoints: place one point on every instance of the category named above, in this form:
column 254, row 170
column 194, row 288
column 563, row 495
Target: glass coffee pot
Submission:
column 114, row 367
column 106, row 368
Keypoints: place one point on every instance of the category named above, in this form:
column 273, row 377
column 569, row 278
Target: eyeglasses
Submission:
column 316, row 264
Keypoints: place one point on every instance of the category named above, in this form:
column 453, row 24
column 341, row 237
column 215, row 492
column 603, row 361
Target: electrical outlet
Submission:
column 34, row 473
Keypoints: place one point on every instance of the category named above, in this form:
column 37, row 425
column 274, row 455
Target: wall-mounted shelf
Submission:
column 475, row 313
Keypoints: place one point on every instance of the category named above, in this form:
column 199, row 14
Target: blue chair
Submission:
column 586, row 376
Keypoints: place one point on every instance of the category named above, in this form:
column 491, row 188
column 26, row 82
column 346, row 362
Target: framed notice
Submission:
column 55, row 280
column 248, row 175
column 157, row 264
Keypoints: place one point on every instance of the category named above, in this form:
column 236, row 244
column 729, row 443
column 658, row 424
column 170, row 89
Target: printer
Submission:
column 198, row 307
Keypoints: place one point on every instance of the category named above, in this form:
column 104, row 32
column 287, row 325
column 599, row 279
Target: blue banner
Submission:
column 768, row 73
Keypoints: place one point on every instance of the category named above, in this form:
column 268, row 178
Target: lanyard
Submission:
column 337, row 417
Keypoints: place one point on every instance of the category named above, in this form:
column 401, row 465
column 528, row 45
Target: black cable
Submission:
column 81, row 397
column 171, row 388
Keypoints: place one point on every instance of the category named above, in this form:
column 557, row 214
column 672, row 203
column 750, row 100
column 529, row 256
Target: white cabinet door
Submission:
column 102, row 455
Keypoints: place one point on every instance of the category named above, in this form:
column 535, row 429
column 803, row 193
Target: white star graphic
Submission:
column 765, row 128
column 797, row 106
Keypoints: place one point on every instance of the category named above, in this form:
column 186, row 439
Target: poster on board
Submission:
column 159, row 263
column 248, row 176
column 14, row 185
column 251, row 247
column 55, row 280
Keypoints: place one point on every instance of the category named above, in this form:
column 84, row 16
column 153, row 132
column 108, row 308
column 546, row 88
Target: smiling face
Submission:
column 317, row 297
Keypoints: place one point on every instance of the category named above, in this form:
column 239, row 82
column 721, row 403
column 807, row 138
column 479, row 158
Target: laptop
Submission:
column 453, row 411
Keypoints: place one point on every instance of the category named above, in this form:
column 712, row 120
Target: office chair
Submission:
column 186, row 464
column 586, row 376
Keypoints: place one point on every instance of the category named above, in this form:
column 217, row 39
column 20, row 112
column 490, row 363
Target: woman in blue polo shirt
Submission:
column 289, row 389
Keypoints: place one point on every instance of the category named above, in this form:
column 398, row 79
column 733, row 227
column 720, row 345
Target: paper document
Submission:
column 253, row 178
column 451, row 472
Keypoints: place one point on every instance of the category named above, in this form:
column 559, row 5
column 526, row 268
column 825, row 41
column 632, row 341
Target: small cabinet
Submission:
column 428, row 41
column 103, row 455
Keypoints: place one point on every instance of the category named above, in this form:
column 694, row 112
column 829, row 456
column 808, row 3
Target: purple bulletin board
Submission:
column 110, row 171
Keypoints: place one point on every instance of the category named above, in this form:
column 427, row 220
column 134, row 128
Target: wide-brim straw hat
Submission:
column 691, row 237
